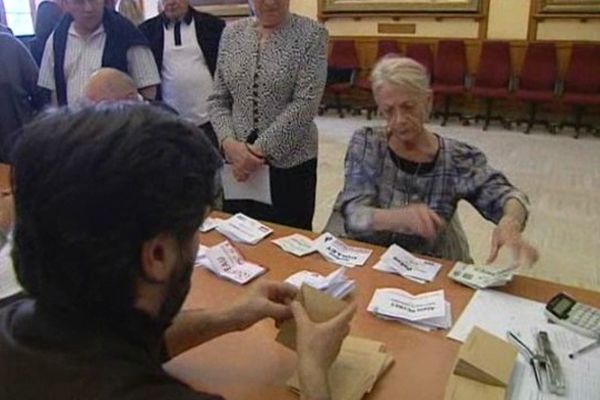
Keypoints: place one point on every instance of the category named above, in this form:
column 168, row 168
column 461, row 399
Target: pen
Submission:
column 585, row 349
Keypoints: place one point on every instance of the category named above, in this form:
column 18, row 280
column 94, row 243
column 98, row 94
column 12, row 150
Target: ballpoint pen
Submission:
column 532, row 357
column 585, row 349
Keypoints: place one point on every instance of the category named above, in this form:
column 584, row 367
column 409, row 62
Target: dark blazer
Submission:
column 208, row 30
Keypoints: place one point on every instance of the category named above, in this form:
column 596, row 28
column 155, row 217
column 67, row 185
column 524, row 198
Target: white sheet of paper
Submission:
column 241, row 228
column 396, row 303
column 396, row 260
column 336, row 284
column 210, row 223
column 498, row 312
column 296, row 244
column 8, row 280
column 257, row 187
column 336, row 251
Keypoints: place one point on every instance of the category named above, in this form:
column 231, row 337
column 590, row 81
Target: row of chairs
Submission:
column 536, row 84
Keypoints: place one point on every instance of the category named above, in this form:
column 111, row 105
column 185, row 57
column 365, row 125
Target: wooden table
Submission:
column 251, row 365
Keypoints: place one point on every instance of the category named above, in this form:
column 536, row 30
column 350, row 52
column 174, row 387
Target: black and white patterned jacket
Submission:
column 269, row 95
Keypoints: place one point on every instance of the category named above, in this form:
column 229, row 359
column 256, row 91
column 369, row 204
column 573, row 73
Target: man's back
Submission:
column 47, row 356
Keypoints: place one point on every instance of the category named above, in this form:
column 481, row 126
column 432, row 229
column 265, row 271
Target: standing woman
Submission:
column 270, row 77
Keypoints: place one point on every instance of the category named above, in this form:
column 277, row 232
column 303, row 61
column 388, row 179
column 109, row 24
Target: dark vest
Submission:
column 208, row 33
column 121, row 34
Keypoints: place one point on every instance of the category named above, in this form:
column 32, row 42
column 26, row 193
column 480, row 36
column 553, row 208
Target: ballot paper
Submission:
column 241, row 228
column 226, row 262
column 210, row 224
column 481, row 276
column 296, row 244
column 336, row 251
column 396, row 260
column 358, row 367
column 257, row 187
column 201, row 258
column 428, row 310
column 336, row 284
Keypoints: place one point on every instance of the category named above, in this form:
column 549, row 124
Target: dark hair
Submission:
column 91, row 186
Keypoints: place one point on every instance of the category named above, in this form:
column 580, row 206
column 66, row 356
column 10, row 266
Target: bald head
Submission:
column 108, row 84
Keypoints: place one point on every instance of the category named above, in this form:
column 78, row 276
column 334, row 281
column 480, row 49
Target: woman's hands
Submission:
column 241, row 156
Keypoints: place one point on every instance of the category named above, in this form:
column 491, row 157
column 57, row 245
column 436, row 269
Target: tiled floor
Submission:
column 561, row 175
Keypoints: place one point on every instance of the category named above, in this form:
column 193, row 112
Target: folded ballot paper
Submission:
column 426, row 311
column 396, row 260
column 336, row 251
column 225, row 261
column 360, row 364
column 209, row 224
column 481, row 276
column 336, row 284
column 296, row 244
column 243, row 229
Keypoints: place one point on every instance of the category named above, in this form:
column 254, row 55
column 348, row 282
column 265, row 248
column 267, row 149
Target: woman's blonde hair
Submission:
column 402, row 71
column 130, row 9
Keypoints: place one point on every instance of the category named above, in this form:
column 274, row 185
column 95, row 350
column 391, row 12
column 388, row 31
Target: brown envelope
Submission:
column 319, row 306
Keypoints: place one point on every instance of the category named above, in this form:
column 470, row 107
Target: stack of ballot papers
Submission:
column 396, row 260
column 226, row 262
column 426, row 311
column 243, row 229
column 359, row 366
column 336, row 251
column 209, row 224
column 296, row 244
column 481, row 276
column 336, row 284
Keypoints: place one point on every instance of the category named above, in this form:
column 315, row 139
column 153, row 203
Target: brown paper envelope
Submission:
column 460, row 388
column 319, row 306
column 486, row 358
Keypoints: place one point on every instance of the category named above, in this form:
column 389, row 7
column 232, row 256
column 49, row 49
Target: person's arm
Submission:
column 265, row 299
column 46, row 75
column 285, row 132
column 220, row 100
column 143, row 70
column 497, row 200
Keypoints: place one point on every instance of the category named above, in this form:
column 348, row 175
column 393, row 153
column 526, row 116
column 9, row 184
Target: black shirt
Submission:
column 48, row 356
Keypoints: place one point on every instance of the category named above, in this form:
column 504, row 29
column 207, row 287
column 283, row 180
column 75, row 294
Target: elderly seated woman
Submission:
column 403, row 182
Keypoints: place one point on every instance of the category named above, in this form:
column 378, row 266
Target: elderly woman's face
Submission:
column 271, row 13
column 403, row 109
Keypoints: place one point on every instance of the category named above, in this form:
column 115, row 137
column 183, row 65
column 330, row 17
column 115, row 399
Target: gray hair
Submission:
column 401, row 71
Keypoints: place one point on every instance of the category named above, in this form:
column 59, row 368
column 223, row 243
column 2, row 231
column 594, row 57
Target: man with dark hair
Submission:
column 90, row 36
column 108, row 204
column 185, row 44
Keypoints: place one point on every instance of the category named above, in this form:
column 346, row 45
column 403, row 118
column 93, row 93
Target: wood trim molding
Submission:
column 399, row 16
column 483, row 24
column 580, row 17
column 533, row 23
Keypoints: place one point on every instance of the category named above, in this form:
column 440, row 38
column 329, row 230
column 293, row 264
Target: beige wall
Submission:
column 508, row 20
column 569, row 30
